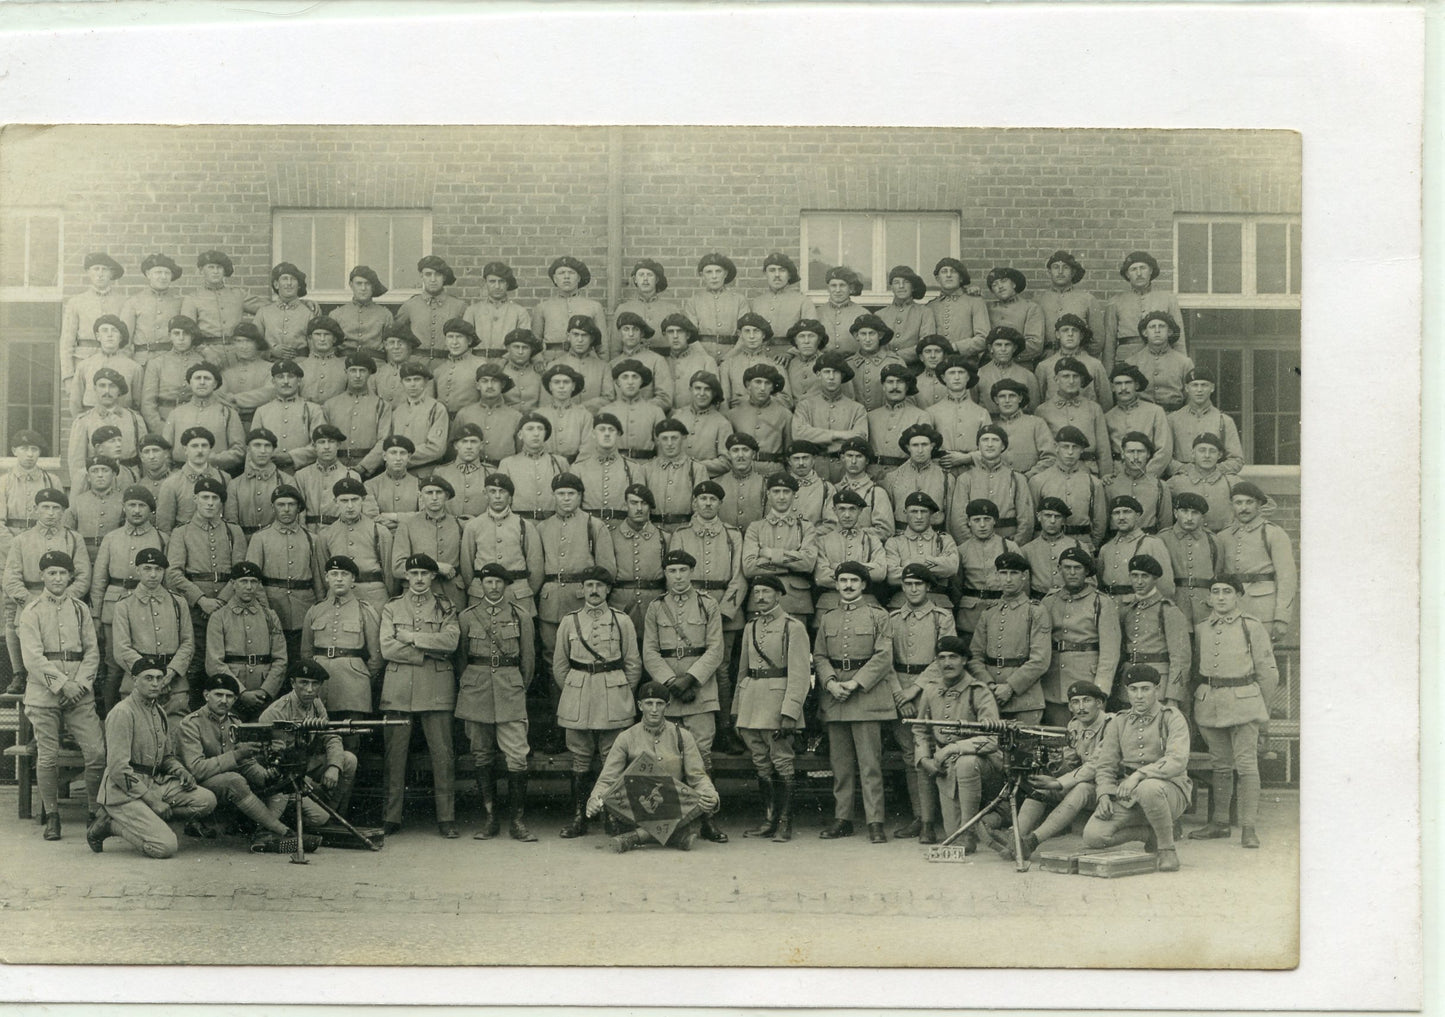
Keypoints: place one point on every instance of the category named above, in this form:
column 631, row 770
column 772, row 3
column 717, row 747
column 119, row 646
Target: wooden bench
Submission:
column 23, row 752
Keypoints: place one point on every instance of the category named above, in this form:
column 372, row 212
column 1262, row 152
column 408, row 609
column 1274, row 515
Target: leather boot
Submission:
column 929, row 833
column 1210, row 831
column 97, row 831
column 52, row 826
column 16, row 686
column 1248, row 838
column 876, row 834
column 517, row 798
column 784, row 811
column 577, row 825
column 491, row 824
column 625, row 842
column 768, row 790
column 908, row 830
column 710, row 832
column 1168, row 860
column 838, row 828
column 728, row 743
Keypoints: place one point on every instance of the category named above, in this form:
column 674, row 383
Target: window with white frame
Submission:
column 1238, row 285
column 871, row 243
column 327, row 243
column 30, row 254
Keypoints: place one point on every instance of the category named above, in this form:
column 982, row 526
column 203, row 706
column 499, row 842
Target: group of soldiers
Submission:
column 516, row 517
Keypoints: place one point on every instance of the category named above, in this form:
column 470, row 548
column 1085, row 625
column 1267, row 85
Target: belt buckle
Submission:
column 847, row 663
column 252, row 659
column 496, row 660
column 330, row 652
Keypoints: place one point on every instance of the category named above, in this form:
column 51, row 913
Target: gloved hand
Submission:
column 684, row 689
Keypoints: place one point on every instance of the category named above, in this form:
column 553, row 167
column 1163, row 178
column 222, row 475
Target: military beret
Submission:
column 101, row 258
column 848, row 496
column 400, row 441
column 782, row 261
column 1007, row 334
column 877, row 324
column 141, row 493
column 584, row 323
column 56, row 560
column 440, row 483
column 1052, row 504
column 567, row 261
column 812, row 326
column 953, row 645
column 461, row 326
column 524, row 337
column 153, row 441
column 401, row 330
column 711, row 381
column 494, row 570
column 344, row 563
column 1209, row 439
column 469, row 431
column 679, row 557
column 1010, row 385
column 378, row 289
column 910, row 380
column 249, row 330
column 107, row 462
column 414, row 369
column 1199, row 374
column 653, row 690
column 502, row 271
column 920, row 431
column 209, row 485
column 956, row 362
column 327, row 432
column 720, row 260
column 637, row 367
column 641, row 491
column 101, row 435
column 956, row 265
column 1126, row 501
column 160, row 261
column 1190, row 500
column 579, row 384
column 361, row 360
column 934, row 340
column 919, row 571
column 1136, row 258
column 424, row 562
column 113, row 376
column 53, row 496
column 755, row 320
column 288, row 491
column 767, row 372
column 1011, row 561
column 739, row 438
column 995, row 430
column 1074, row 321
column 667, row 424
column 1079, row 556
column 492, row 369
column 1013, row 275
column 803, row 447
column 262, row 434
column 1163, row 316
column 570, row 481
column 1136, row 673
column 771, row 583
column 981, row 507
column 1141, row 438
column 920, row 499
column 29, row 439
column 1231, row 580
column 609, row 420
column 597, row 574
column 658, row 273
column 221, row 682
column 1131, row 372
column 1075, row 365
column 711, row 487
column 501, row 481
column 851, row 568
column 246, row 569
column 859, row 445
column 782, row 479
column 1083, row 688
column 115, row 323
column 1071, row 434
column 207, row 367
column 286, row 268
column 325, row 323
column 290, row 367
column 1146, row 563
column 1249, row 490
column 836, row 362
column 535, row 418
column 847, row 275
column 915, row 281
column 682, row 321
column 1077, row 270
column 437, row 264
column 348, row 485
column 151, row 556
column 306, row 669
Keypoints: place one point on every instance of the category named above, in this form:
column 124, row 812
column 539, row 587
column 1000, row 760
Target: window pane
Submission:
column 1287, row 451
column 1270, row 271
column 373, row 244
column 1266, row 440
column 822, row 248
column 857, row 249
column 12, row 250
column 936, row 241
column 1287, row 378
column 329, row 267
column 1229, row 392
column 406, row 245
column 1266, row 381
column 294, row 240
column 30, row 389
column 1226, row 251
column 1294, row 257
column 44, row 250
column 901, row 244
column 1193, row 257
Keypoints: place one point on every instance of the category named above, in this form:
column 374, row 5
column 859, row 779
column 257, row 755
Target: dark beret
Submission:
column 56, row 560
column 658, row 273
column 286, row 268
column 1079, row 556
column 1136, row 673
column 637, row 367
column 1249, row 490
column 1075, row 365
column 325, row 323
column 567, row 261
column 1231, row 580
column 1163, row 316
column 783, row 261
column 101, row 258
column 425, row 562
column 1136, row 257
column 207, row 367
column 920, row 499
column 1067, row 259
column 722, row 261
column 160, row 261
column 290, row 367
column 1127, row 501
column 1129, row 371
column 436, row 264
column 754, row 320
column 1073, row 320
column 502, row 271
column 954, row 264
column 956, row 361
column 920, row 430
column 741, row 438
column 843, row 272
column 653, row 690
column 401, row 330
column 249, row 330
column 609, row 419
column 1008, row 334
column 1138, row 437
column 105, row 461
column 568, row 480
column 919, row 571
column 1071, row 434
column 874, row 322
column 667, row 424
column 851, row 568
column 492, row 369
column 1199, row 374
column 1209, row 439
column 848, row 496
column 440, row 483
column 306, row 669
column 1083, row 688
column 288, row 491
column 361, row 360
column 711, row 487
column 53, row 496
column 526, row 337
column 400, row 441
column 584, row 323
column 579, row 384
column 1013, row 385
column 1052, row 504
column 803, row 447
column 837, row 362
column 462, row 327
column 771, row 582
column 1190, row 500
column 910, row 380
column 1011, row 561
column 221, row 682
column 682, row 321
column 114, row 322
column 679, row 557
column 783, row 479
column 981, row 507
column 1146, row 563
column 812, row 325
column 641, row 491
column 953, row 645
column 209, row 485
column 859, row 445
column 535, row 418
column 469, row 431
column 141, row 493
column 366, row 272
column 114, row 377
column 101, row 435
column 995, row 430
column 327, row 432
column 348, row 485
column 494, row 570
column 768, row 372
column 261, row 434
column 344, row 563
column 934, row 340
column 185, row 324
column 414, row 369
column 915, row 281
column 502, row 481
column 637, row 321
column 245, row 569
column 151, row 556
column 1011, row 274
column 597, row 574
column 31, row 439
column 153, row 441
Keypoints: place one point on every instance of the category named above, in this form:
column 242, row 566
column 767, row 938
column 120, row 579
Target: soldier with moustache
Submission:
column 1085, row 635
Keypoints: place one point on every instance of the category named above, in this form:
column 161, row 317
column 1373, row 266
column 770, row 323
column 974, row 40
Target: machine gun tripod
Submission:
column 1027, row 749
column 288, row 751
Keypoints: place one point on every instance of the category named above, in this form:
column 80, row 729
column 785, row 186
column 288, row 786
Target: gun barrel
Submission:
column 994, row 727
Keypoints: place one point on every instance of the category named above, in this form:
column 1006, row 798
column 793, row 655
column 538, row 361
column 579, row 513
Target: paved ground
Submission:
column 423, row 900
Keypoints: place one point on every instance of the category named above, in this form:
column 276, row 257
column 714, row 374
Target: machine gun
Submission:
column 288, row 751
column 1027, row 749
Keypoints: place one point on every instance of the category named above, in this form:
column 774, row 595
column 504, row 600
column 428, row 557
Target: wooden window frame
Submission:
column 1248, row 297
column 879, row 268
column 40, row 294
column 394, row 295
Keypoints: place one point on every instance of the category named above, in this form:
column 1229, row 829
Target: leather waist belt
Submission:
column 710, row 584
column 92, row 542
column 287, row 584
column 1256, row 577
column 249, row 530
column 1146, row 658
column 1216, row 682
column 640, row 453
column 142, row 768
column 1193, row 584
column 597, row 666
column 332, row 652
column 892, row 460
column 1117, row 589
column 1075, row 531
column 849, row 664
column 672, row 518
column 17, row 523
column 983, row 594
column 208, row 577
column 910, row 668
column 66, row 656
column 375, row 576
column 249, row 659
column 768, row 457
column 767, row 672
column 679, row 652
column 438, row 352
column 129, row 584
column 1008, row 521
column 1076, row 647
column 510, row 660
column 639, row 584
column 34, row 587
column 713, row 337
column 1005, row 661
column 492, row 354
column 607, row 513
column 562, row 577
column 322, row 519
column 159, row 661
column 536, row 516
column 352, row 455
column 162, row 346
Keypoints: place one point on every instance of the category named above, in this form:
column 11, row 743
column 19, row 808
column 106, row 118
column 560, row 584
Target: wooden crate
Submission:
column 1118, row 861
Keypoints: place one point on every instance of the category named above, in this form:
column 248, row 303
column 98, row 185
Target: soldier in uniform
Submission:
column 1199, row 416
column 1132, row 479
column 147, row 314
column 362, row 415
column 1132, row 413
column 361, row 318
column 1237, row 680
column 1194, row 555
column 435, row 532
column 496, row 314
column 291, row 565
column 317, row 482
column 828, row 416
column 561, row 405
column 220, row 308
column 673, row 475
column 1141, row 772
column 290, row 416
column 81, row 310
column 1126, row 310
column 1072, row 339
column 165, row 374
column 1062, row 298
column 716, row 308
column 107, row 417
column 551, row 316
column 333, row 768
column 682, row 649
column 176, row 500
column 419, row 637
column 1203, row 477
column 918, row 542
column 20, row 483
column 1154, row 630
column 152, row 629
column 992, row 479
column 685, row 358
column 853, row 658
column 707, row 428
column 208, row 412
column 427, row 313
column 646, row 308
column 1259, row 553
column 744, row 486
column 1046, row 550
column 1075, row 486
column 395, row 489
column 1056, row 801
column 637, row 549
column 145, row 783
column 113, row 336
column 61, row 656
column 606, row 474
column 898, row 413
column 920, row 473
column 1067, row 406
column 596, row 665
column 849, row 542
column 401, row 346
column 155, row 463
column 636, row 412
column 343, row 634
column 419, row 417
column 97, row 509
column 978, row 549
column 584, row 355
column 115, row 575
column 1013, row 646
column 283, row 321
column 759, row 412
column 1129, row 540
column 491, row 414
column 248, row 497
column 456, row 373
column 22, row 579
column 781, row 544
column 533, row 469
column 500, row 536
column 1085, row 636
column 202, row 553
column 871, row 336
column 782, row 306
column 918, row 627
column 244, row 640
column 956, row 418
column 367, row 543
column 876, row 515
column 961, row 314
column 496, row 661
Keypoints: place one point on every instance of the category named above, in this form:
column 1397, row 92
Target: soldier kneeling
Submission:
column 1057, row 801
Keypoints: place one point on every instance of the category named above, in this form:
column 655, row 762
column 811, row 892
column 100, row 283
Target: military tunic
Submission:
column 1154, row 632
column 933, row 548
column 1083, row 492
column 202, row 554
column 1196, row 558
column 395, row 497
column 680, row 369
column 716, row 315
column 493, row 320
column 532, row 475
column 363, row 326
column 1097, row 391
column 388, row 384
column 571, row 426
column 366, row 421
column 1086, row 641
column 17, row 495
column 783, row 546
column 1149, row 491
column 1114, row 564
column 838, row 546
column 1054, row 303
column 744, row 498
column 1215, row 489
column 855, row 643
column 292, row 421
column 283, row 325
column 783, row 308
column 638, row 553
column 94, row 515
column 292, row 570
column 886, row 425
column 499, row 423
column 511, row 542
column 176, row 502
column 315, row 482
column 496, row 659
column 152, row 630
column 82, row 392
column 671, row 482
column 1238, row 674
column 427, row 314
column 718, row 549
column 638, row 417
column 958, row 419
column 1125, row 310
column 682, row 635
column 829, row 422
column 1188, row 423
column 550, row 318
column 932, row 480
column 248, row 497
column 147, row 316
column 115, row 572
column 770, row 425
column 963, row 320
column 596, row 683
column 246, row 641
column 77, row 325
column 1013, row 646
column 468, row 480
column 456, row 381
column 1007, row 488
column 369, row 544
column 442, row 539
column 910, row 321
column 979, row 583
column 605, row 481
column 1148, row 419
column 991, row 373
column 1043, row 555
column 344, row 637
column 569, row 545
column 426, row 423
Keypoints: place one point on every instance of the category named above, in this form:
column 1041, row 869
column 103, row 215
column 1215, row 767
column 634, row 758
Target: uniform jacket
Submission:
column 57, row 644
column 419, row 675
column 1013, row 629
column 1236, row 646
column 496, row 660
column 353, row 624
column 773, row 672
column 250, row 631
column 682, row 635
column 855, row 643
column 596, row 700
